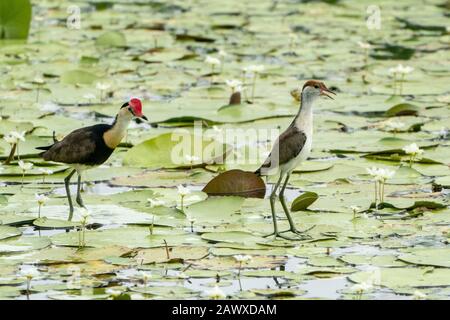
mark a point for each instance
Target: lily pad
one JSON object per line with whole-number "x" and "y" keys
{"x": 238, "y": 183}
{"x": 304, "y": 201}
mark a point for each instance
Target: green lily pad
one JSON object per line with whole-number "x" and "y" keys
{"x": 111, "y": 39}
{"x": 46, "y": 223}
{"x": 170, "y": 151}
{"x": 9, "y": 232}
{"x": 438, "y": 257}
{"x": 304, "y": 201}
{"x": 403, "y": 109}
{"x": 15, "y": 18}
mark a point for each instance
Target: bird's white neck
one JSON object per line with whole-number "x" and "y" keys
{"x": 304, "y": 118}
{"x": 114, "y": 136}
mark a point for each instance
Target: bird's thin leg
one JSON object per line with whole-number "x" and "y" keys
{"x": 79, "y": 200}
{"x": 272, "y": 207}
{"x": 286, "y": 209}
{"x": 67, "y": 184}
{"x": 273, "y": 197}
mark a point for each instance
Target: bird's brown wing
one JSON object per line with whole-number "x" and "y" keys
{"x": 288, "y": 146}
{"x": 76, "y": 147}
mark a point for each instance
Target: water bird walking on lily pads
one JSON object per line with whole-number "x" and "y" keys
{"x": 291, "y": 148}
{"x": 91, "y": 146}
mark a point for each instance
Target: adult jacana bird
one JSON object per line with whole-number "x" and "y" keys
{"x": 91, "y": 146}
{"x": 291, "y": 148}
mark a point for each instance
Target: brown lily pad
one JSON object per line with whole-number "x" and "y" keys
{"x": 236, "y": 183}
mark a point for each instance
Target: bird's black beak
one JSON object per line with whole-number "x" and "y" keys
{"x": 324, "y": 92}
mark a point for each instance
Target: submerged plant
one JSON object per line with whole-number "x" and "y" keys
{"x": 413, "y": 151}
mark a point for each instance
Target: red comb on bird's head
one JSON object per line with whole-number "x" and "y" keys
{"x": 136, "y": 105}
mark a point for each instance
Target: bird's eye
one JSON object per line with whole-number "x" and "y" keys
{"x": 316, "y": 86}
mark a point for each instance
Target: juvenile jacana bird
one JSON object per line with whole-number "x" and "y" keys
{"x": 91, "y": 146}
{"x": 291, "y": 148}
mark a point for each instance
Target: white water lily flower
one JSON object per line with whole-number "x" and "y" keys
{"x": 361, "y": 287}
{"x": 191, "y": 159}
{"x": 215, "y": 293}
{"x": 396, "y": 125}
{"x": 146, "y": 276}
{"x": 373, "y": 171}
{"x": 222, "y": 53}
{"x": 45, "y": 171}
{"x": 212, "y": 61}
{"x": 242, "y": 258}
{"x": 39, "y": 80}
{"x": 29, "y": 272}
{"x": 419, "y": 295}
{"x": 156, "y": 203}
{"x": 113, "y": 293}
{"x": 364, "y": 45}
{"x": 255, "y": 68}
{"x": 25, "y": 165}
{"x": 40, "y": 198}
{"x": 49, "y": 107}
{"x": 102, "y": 86}
{"x": 401, "y": 69}
{"x": 14, "y": 137}
{"x": 89, "y": 96}
{"x": 385, "y": 174}
{"x": 183, "y": 191}
{"x": 233, "y": 83}
{"x": 194, "y": 198}
{"x": 84, "y": 214}
{"x": 10, "y": 139}
{"x": 413, "y": 149}
{"x": 18, "y": 135}
{"x": 443, "y": 133}
{"x": 380, "y": 174}
{"x": 192, "y": 220}
{"x": 182, "y": 275}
